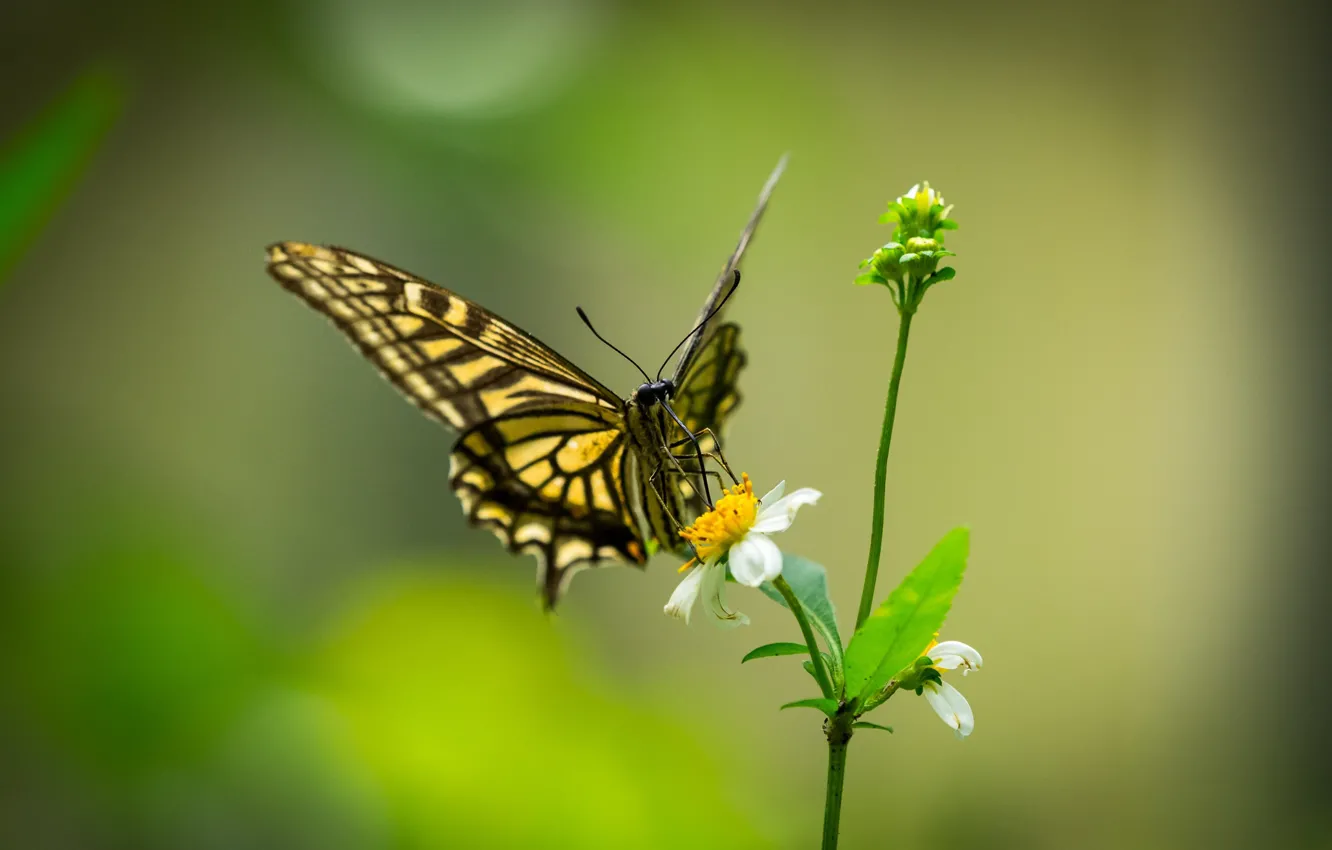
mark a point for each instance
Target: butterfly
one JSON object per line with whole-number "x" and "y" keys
{"x": 547, "y": 457}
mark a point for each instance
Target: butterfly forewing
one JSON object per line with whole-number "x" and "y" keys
{"x": 700, "y": 338}
{"x": 540, "y": 457}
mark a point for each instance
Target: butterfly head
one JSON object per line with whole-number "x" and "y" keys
{"x": 654, "y": 392}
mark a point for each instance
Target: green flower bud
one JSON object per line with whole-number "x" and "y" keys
{"x": 913, "y": 678}
{"x": 909, "y": 265}
{"x": 921, "y": 212}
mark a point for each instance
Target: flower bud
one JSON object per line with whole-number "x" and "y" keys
{"x": 913, "y": 678}
{"x": 909, "y": 265}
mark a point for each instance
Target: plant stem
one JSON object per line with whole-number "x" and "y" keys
{"x": 839, "y": 735}
{"x": 881, "y": 470}
{"x": 815, "y": 657}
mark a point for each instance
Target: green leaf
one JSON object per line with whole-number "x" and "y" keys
{"x": 827, "y": 706}
{"x": 41, "y": 164}
{"x": 768, "y": 650}
{"x": 899, "y": 630}
{"x": 865, "y": 724}
{"x": 946, "y": 224}
{"x": 809, "y": 665}
{"x": 810, "y": 583}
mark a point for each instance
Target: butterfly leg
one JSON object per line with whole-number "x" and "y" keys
{"x": 663, "y": 472}
{"x": 691, "y": 437}
{"x": 686, "y": 473}
{"x": 652, "y": 485}
{"x": 702, "y": 471}
{"x": 716, "y": 456}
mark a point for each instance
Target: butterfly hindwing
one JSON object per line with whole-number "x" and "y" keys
{"x": 540, "y": 458}
{"x": 550, "y": 484}
{"x": 708, "y": 394}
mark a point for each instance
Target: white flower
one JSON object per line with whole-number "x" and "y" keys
{"x": 946, "y": 700}
{"x": 735, "y": 531}
{"x": 952, "y": 654}
{"x": 952, "y": 708}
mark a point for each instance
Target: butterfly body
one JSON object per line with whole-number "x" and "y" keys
{"x": 547, "y": 457}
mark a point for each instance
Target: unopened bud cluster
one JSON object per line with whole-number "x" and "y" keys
{"x": 909, "y": 265}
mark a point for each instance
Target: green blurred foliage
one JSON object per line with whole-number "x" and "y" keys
{"x": 464, "y": 708}
{"x": 39, "y": 165}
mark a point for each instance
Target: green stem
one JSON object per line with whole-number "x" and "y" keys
{"x": 839, "y": 735}
{"x": 815, "y": 657}
{"x": 881, "y": 471}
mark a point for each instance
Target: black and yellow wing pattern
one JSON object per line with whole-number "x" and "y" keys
{"x": 544, "y": 457}
{"x": 542, "y": 449}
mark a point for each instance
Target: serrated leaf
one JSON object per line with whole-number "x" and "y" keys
{"x": 38, "y": 167}
{"x": 870, "y": 277}
{"x": 865, "y": 724}
{"x": 809, "y": 581}
{"x": 898, "y": 631}
{"x": 768, "y": 650}
{"x": 827, "y": 706}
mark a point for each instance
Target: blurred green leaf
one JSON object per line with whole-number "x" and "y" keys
{"x": 404, "y": 672}
{"x": 810, "y": 583}
{"x": 132, "y": 658}
{"x": 40, "y": 165}
{"x": 768, "y": 650}
{"x": 899, "y": 630}
{"x": 827, "y": 706}
{"x": 865, "y": 724}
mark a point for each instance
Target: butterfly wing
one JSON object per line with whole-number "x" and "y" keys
{"x": 699, "y": 339}
{"x": 705, "y": 400}
{"x": 708, "y": 394}
{"x": 540, "y": 459}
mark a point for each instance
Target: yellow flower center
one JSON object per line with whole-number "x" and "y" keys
{"x": 715, "y": 532}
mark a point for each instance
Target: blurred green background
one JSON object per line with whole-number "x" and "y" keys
{"x": 239, "y": 606}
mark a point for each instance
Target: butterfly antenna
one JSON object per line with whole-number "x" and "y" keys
{"x": 612, "y": 346}
{"x": 715, "y": 310}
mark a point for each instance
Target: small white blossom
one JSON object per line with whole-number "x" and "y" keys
{"x": 946, "y": 700}
{"x": 735, "y": 531}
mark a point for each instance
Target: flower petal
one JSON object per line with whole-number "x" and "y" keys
{"x": 779, "y": 515}
{"x": 686, "y": 593}
{"x": 952, "y": 708}
{"x": 952, "y": 654}
{"x": 775, "y": 493}
{"x": 714, "y": 582}
{"x": 755, "y": 559}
